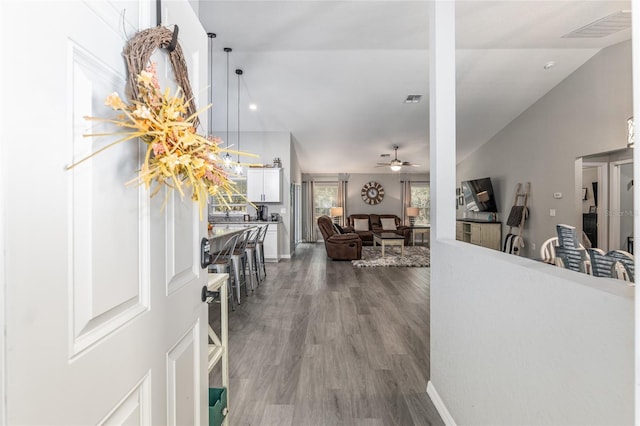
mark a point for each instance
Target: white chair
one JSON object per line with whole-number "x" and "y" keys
{"x": 625, "y": 268}
{"x": 548, "y": 250}
{"x": 548, "y": 253}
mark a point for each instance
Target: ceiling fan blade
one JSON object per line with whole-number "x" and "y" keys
{"x": 406, "y": 163}
{"x": 382, "y": 164}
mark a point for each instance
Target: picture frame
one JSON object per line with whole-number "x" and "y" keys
{"x": 593, "y": 209}
{"x": 584, "y": 194}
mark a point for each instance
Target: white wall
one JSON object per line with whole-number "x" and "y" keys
{"x": 585, "y": 114}
{"x": 519, "y": 342}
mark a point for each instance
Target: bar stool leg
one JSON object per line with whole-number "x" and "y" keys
{"x": 250, "y": 260}
{"x": 260, "y": 256}
{"x": 236, "y": 272}
{"x": 220, "y": 269}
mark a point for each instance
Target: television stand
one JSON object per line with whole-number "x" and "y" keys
{"x": 480, "y": 233}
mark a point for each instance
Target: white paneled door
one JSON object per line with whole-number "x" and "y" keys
{"x": 104, "y": 322}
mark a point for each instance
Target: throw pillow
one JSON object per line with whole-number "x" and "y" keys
{"x": 360, "y": 224}
{"x": 388, "y": 224}
{"x": 338, "y": 228}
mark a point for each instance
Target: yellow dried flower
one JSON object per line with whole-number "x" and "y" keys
{"x": 177, "y": 156}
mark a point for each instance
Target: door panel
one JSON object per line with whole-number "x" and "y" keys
{"x": 134, "y": 409}
{"x": 106, "y": 291}
{"x": 182, "y": 256}
{"x": 99, "y": 278}
{"x": 183, "y": 380}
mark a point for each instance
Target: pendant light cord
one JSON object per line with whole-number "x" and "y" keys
{"x": 227, "y": 49}
{"x": 239, "y": 73}
{"x": 210, "y": 111}
{"x": 238, "y": 166}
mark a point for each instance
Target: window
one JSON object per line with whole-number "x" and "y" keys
{"x": 237, "y": 205}
{"x": 325, "y": 196}
{"x": 421, "y": 198}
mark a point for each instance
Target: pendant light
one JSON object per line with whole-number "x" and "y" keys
{"x": 227, "y": 158}
{"x": 238, "y": 168}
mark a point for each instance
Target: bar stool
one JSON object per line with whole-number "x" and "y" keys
{"x": 252, "y": 259}
{"x": 260, "y": 250}
{"x": 221, "y": 263}
{"x": 239, "y": 260}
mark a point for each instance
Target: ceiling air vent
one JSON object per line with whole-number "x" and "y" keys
{"x": 603, "y": 27}
{"x": 413, "y": 99}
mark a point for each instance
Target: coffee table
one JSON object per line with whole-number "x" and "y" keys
{"x": 388, "y": 239}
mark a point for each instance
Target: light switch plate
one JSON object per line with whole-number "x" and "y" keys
{"x": 557, "y": 195}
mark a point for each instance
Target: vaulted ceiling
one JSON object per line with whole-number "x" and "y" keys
{"x": 336, "y": 73}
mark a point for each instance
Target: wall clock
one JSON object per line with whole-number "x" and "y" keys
{"x": 372, "y": 193}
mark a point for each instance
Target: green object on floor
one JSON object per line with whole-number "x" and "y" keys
{"x": 217, "y": 406}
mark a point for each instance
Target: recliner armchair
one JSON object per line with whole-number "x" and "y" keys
{"x": 339, "y": 246}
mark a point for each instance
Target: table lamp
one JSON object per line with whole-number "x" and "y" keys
{"x": 336, "y": 213}
{"x": 412, "y": 212}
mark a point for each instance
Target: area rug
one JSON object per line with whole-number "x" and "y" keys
{"x": 413, "y": 257}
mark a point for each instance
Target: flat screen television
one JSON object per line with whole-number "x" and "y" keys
{"x": 478, "y": 195}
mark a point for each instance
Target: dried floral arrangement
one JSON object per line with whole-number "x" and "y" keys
{"x": 177, "y": 157}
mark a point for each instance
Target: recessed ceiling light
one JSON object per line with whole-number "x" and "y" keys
{"x": 253, "y": 107}
{"x": 549, "y": 65}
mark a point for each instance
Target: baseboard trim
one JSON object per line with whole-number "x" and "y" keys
{"x": 439, "y": 404}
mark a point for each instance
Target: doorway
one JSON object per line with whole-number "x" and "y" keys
{"x": 595, "y": 203}
{"x": 621, "y": 208}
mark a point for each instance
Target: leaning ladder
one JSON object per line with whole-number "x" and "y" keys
{"x": 517, "y": 217}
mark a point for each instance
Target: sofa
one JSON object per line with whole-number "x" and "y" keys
{"x": 339, "y": 246}
{"x": 366, "y": 224}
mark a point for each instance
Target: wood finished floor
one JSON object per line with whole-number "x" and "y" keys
{"x": 321, "y": 342}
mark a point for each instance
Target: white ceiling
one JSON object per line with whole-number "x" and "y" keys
{"x": 335, "y": 73}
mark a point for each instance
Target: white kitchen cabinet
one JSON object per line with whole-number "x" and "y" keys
{"x": 271, "y": 252}
{"x": 264, "y": 185}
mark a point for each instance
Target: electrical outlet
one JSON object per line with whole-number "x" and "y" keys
{"x": 552, "y": 212}
{"x": 533, "y": 246}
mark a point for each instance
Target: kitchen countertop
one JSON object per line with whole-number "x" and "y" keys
{"x": 242, "y": 222}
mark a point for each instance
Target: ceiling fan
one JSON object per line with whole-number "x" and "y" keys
{"x": 395, "y": 164}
